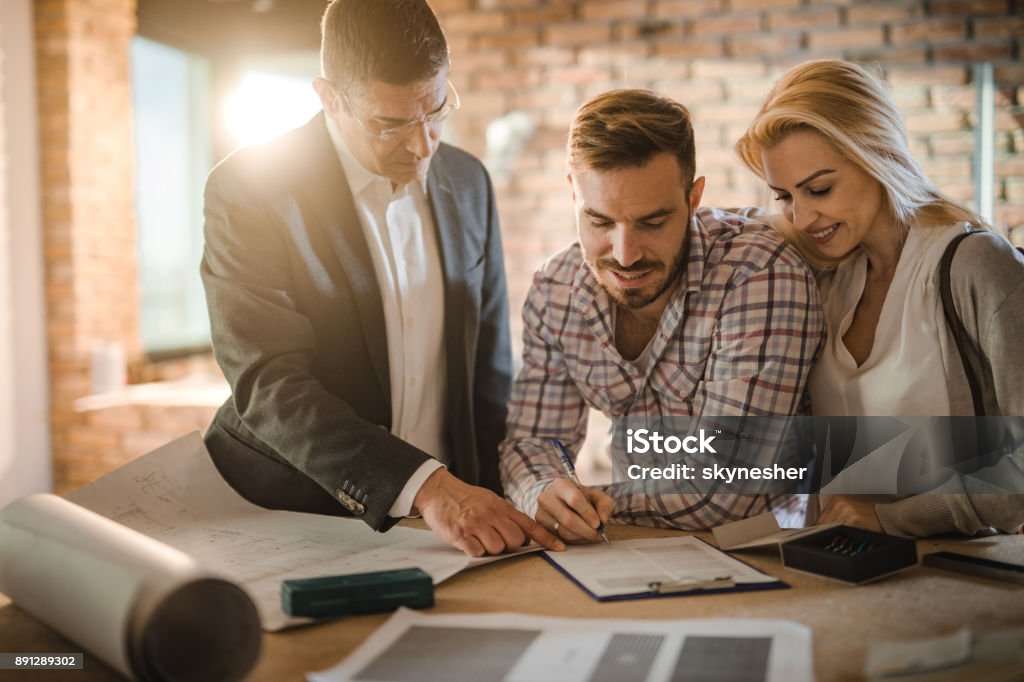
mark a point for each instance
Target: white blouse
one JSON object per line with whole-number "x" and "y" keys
{"x": 904, "y": 374}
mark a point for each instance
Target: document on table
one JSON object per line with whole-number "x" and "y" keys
{"x": 628, "y": 567}
{"x": 509, "y": 647}
{"x": 176, "y": 495}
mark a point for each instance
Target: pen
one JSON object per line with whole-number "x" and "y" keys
{"x": 570, "y": 471}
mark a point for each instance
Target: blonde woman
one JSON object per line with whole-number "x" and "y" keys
{"x": 832, "y": 146}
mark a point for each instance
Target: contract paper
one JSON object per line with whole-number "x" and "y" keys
{"x": 509, "y": 647}
{"x": 176, "y": 495}
{"x": 628, "y": 567}
{"x": 146, "y": 609}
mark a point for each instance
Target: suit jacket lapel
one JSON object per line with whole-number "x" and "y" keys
{"x": 330, "y": 198}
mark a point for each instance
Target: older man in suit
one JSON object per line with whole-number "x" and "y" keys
{"x": 354, "y": 276}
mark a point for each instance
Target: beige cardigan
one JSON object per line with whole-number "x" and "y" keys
{"x": 987, "y": 279}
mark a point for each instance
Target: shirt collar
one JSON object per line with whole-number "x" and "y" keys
{"x": 359, "y": 177}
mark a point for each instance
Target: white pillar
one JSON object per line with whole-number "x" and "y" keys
{"x": 25, "y": 461}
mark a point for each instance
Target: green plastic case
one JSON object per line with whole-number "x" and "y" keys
{"x": 344, "y": 595}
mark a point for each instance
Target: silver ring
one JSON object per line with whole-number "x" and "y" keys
{"x": 557, "y": 526}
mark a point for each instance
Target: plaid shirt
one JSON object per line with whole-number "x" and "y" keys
{"x": 737, "y": 338}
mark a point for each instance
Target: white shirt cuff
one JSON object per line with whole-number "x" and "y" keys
{"x": 403, "y": 503}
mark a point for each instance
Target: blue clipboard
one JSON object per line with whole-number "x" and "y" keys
{"x": 651, "y": 594}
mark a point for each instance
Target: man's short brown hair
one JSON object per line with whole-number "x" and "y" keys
{"x": 394, "y": 41}
{"x": 627, "y": 128}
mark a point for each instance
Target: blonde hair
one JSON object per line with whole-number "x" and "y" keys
{"x": 849, "y": 107}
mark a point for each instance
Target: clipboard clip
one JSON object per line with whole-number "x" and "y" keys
{"x": 690, "y": 584}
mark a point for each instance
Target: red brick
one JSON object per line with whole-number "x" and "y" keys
{"x": 475, "y": 22}
{"x": 998, "y": 27}
{"x": 968, "y": 7}
{"x": 881, "y": 12}
{"x": 723, "y": 113}
{"x": 929, "y": 30}
{"x": 502, "y": 4}
{"x": 690, "y": 92}
{"x": 907, "y": 54}
{"x": 477, "y": 60}
{"x": 960, "y": 191}
{"x": 542, "y": 15}
{"x": 772, "y": 45}
{"x": 118, "y": 419}
{"x": 804, "y": 19}
{"x": 927, "y": 75}
{"x": 947, "y": 167}
{"x": 974, "y": 52}
{"x": 614, "y": 9}
{"x": 576, "y": 34}
{"x": 831, "y": 2}
{"x": 1011, "y": 215}
{"x": 751, "y": 91}
{"x": 1008, "y": 142}
{"x": 620, "y": 55}
{"x": 577, "y": 75}
{"x": 443, "y": 7}
{"x": 955, "y": 96}
{"x": 1006, "y": 121}
{"x": 720, "y": 158}
{"x": 726, "y": 25}
{"x": 655, "y": 68}
{"x": 690, "y": 48}
{"x": 846, "y": 38}
{"x": 93, "y": 440}
{"x": 728, "y": 68}
{"x": 919, "y": 148}
{"x": 762, "y": 5}
{"x": 934, "y": 122}
{"x": 541, "y": 98}
{"x": 547, "y": 55}
{"x": 1009, "y": 74}
{"x": 646, "y": 30}
{"x": 478, "y": 102}
{"x": 951, "y": 144}
{"x": 1013, "y": 190}
{"x": 512, "y": 38}
{"x": 678, "y": 9}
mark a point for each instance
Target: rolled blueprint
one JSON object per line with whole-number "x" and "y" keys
{"x": 145, "y": 608}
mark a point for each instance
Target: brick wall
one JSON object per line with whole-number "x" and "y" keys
{"x": 87, "y": 167}
{"x": 719, "y": 58}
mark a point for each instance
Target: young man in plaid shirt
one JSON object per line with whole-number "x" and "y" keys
{"x": 662, "y": 309}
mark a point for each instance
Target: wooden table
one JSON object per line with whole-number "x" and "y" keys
{"x": 843, "y": 619}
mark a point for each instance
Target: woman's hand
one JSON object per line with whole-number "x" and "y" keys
{"x": 850, "y": 511}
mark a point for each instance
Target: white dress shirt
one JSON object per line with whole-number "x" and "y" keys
{"x": 903, "y": 374}
{"x": 399, "y": 230}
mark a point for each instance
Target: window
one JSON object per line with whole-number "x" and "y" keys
{"x": 171, "y": 93}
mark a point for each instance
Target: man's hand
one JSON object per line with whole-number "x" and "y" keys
{"x": 574, "y": 514}
{"x": 848, "y": 510}
{"x": 476, "y": 520}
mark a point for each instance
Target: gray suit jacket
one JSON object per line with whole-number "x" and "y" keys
{"x": 298, "y": 329}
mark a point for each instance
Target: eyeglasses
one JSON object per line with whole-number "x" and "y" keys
{"x": 385, "y": 133}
